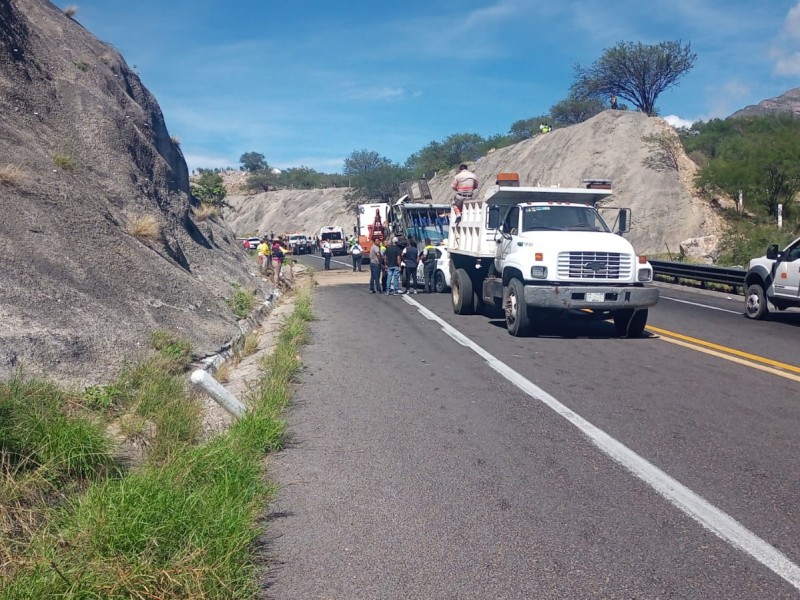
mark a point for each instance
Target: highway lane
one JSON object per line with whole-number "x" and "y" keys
{"x": 539, "y": 508}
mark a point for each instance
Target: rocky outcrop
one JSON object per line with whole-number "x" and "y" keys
{"x": 85, "y": 158}
{"x": 787, "y": 103}
{"x": 703, "y": 250}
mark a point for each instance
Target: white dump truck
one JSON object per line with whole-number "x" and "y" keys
{"x": 535, "y": 250}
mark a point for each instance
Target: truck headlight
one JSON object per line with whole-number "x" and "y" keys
{"x": 539, "y": 272}
{"x": 645, "y": 275}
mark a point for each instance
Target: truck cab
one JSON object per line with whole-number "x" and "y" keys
{"x": 774, "y": 277}
{"x": 534, "y": 250}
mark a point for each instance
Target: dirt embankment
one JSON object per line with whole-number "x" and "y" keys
{"x": 619, "y": 145}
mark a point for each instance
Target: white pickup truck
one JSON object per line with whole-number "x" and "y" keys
{"x": 774, "y": 277}
{"x": 531, "y": 250}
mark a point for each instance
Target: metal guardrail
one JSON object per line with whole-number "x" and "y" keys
{"x": 702, "y": 273}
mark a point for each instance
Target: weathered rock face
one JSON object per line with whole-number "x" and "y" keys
{"x": 703, "y": 249}
{"x": 86, "y": 154}
{"x": 788, "y": 102}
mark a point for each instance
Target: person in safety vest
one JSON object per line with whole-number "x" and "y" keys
{"x": 428, "y": 258}
{"x": 464, "y": 183}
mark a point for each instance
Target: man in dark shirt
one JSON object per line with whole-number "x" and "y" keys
{"x": 410, "y": 256}
{"x": 393, "y": 254}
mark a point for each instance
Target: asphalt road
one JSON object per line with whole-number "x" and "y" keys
{"x": 432, "y": 455}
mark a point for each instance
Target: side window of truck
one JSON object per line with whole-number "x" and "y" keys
{"x": 511, "y": 223}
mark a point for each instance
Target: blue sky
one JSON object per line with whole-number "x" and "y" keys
{"x": 307, "y": 82}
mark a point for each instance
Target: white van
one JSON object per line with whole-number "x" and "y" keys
{"x": 335, "y": 236}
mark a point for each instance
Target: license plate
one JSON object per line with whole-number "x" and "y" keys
{"x": 595, "y": 296}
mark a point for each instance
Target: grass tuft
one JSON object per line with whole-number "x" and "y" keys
{"x": 70, "y": 11}
{"x": 242, "y": 301}
{"x": 11, "y": 175}
{"x": 250, "y": 345}
{"x": 206, "y": 211}
{"x": 145, "y": 227}
{"x": 65, "y": 161}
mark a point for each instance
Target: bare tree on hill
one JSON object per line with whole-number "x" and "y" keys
{"x": 636, "y": 72}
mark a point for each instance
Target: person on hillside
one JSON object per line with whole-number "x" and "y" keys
{"x": 375, "y": 268}
{"x": 410, "y": 260}
{"x": 326, "y": 254}
{"x": 393, "y": 262}
{"x": 278, "y": 254}
{"x": 428, "y": 258}
{"x": 614, "y": 105}
{"x": 356, "y": 251}
{"x": 464, "y": 183}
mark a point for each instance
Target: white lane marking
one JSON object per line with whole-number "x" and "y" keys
{"x": 727, "y": 310}
{"x": 338, "y": 262}
{"x": 692, "y": 504}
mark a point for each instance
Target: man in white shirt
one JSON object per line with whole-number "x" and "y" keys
{"x": 356, "y": 251}
{"x": 464, "y": 183}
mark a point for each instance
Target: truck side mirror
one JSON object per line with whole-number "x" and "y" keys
{"x": 494, "y": 217}
{"x": 772, "y": 252}
{"x": 624, "y": 220}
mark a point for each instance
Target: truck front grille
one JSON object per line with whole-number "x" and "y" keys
{"x": 594, "y": 265}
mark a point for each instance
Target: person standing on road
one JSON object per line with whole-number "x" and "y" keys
{"x": 264, "y": 255}
{"x": 375, "y": 268}
{"x": 356, "y": 251}
{"x": 410, "y": 260}
{"x": 384, "y": 269}
{"x": 326, "y": 254}
{"x": 428, "y": 259}
{"x": 464, "y": 183}
{"x": 393, "y": 261}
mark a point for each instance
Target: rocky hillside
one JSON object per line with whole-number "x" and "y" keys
{"x": 788, "y": 102}
{"x": 100, "y": 246}
{"x": 614, "y": 145}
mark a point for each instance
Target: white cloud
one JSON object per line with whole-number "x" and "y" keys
{"x": 678, "y": 122}
{"x": 786, "y": 49}
{"x": 379, "y": 93}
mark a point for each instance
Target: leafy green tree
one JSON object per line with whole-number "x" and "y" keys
{"x": 372, "y": 176}
{"x": 261, "y": 180}
{"x": 527, "y": 128}
{"x": 634, "y": 71}
{"x": 757, "y": 155}
{"x": 573, "y": 110}
{"x": 253, "y": 161}
{"x": 208, "y": 188}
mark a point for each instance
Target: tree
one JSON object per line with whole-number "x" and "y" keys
{"x": 527, "y": 128}
{"x": 573, "y": 110}
{"x": 634, "y": 71}
{"x": 253, "y": 161}
{"x": 208, "y": 188}
{"x": 372, "y": 176}
{"x": 261, "y": 180}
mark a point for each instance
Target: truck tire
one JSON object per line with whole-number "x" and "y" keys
{"x": 755, "y": 302}
{"x": 461, "y": 293}
{"x": 630, "y": 323}
{"x": 518, "y": 322}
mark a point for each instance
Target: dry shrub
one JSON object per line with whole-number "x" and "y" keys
{"x": 205, "y": 211}
{"x": 144, "y": 226}
{"x": 175, "y": 139}
{"x": 250, "y": 345}
{"x": 71, "y": 10}
{"x": 10, "y": 175}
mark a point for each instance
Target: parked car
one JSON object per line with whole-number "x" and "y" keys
{"x": 774, "y": 277}
{"x": 441, "y": 276}
{"x": 251, "y": 243}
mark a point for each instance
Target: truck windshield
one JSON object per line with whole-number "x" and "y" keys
{"x": 562, "y": 218}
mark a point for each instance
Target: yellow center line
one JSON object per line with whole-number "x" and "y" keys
{"x": 725, "y": 352}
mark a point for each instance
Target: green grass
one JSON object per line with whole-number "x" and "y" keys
{"x": 65, "y": 161}
{"x": 180, "y": 525}
{"x": 242, "y": 301}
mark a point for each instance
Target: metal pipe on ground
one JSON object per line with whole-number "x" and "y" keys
{"x": 206, "y": 382}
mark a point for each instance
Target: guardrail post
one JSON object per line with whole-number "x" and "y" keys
{"x": 206, "y": 382}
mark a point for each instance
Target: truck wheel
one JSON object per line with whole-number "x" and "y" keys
{"x": 755, "y": 302}
{"x": 438, "y": 282}
{"x": 517, "y": 320}
{"x": 461, "y": 293}
{"x": 630, "y": 323}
